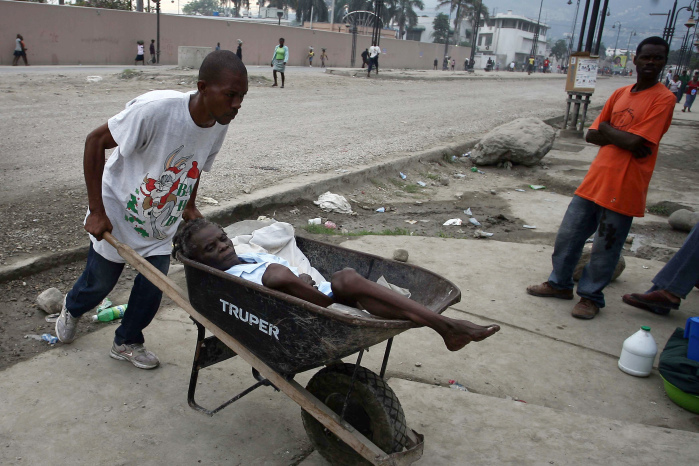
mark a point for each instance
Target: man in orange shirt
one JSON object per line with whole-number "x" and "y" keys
{"x": 628, "y": 131}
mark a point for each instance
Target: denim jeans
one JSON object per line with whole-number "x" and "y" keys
{"x": 97, "y": 281}
{"x": 681, "y": 273}
{"x": 374, "y": 63}
{"x": 582, "y": 219}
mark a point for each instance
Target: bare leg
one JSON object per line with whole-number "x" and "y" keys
{"x": 274, "y": 73}
{"x": 282, "y": 78}
{"x": 349, "y": 287}
{"x": 24, "y": 57}
{"x": 15, "y": 60}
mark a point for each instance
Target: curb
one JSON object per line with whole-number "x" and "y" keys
{"x": 235, "y": 212}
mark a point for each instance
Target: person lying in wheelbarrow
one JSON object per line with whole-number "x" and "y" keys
{"x": 207, "y": 243}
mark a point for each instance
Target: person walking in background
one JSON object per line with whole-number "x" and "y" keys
{"x": 445, "y": 63}
{"x": 691, "y": 92}
{"x": 153, "y": 60}
{"x": 684, "y": 80}
{"x": 435, "y": 64}
{"x": 668, "y": 78}
{"x": 365, "y": 57}
{"x": 239, "y": 50}
{"x": 218, "y": 46}
{"x": 311, "y": 54}
{"x": 628, "y": 131}
{"x": 374, "y": 52}
{"x": 530, "y": 67}
{"x": 674, "y": 281}
{"x": 279, "y": 60}
{"x": 674, "y": 86}
{"x": 323, "y": 57}
{"x": 139, "y": 53}
{"x": 20, "y": 51}
{"x": 453, "y": 64}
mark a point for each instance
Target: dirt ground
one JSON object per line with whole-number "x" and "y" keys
{"x": 48, "y": 217}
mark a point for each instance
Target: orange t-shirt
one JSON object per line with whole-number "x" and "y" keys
{"x": 617, "y": 180}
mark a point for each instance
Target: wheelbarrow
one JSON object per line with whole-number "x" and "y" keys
{"x": 350, "y": 413}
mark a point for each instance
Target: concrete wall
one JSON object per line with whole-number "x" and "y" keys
{"x": 67, "y": 35}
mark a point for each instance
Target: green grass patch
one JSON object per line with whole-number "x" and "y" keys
{"x": 659, "y": 210}
{"x": 432, "y": 176}
{"x": 128, "y": 73}
{"x": 411, "y": 188}
{"x": 448, "y": 158}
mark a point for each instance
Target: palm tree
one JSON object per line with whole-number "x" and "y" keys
{"x": 464, "y": 9}
{"x": 403, "y": 14}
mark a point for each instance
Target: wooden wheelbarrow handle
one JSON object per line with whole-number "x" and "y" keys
{"x": 291, "y": 388}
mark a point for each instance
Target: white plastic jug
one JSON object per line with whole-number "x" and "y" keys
{"x": 638, "y": 353}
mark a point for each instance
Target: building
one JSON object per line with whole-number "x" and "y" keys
{"x": 506, "y": 37}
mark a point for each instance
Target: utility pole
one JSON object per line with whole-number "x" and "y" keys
{"x": 475, "y": 34}
{"x": 536, "y": 33}
{"x": 157, "y": 37}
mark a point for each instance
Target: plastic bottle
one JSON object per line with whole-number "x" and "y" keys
{"x": 638, "y": 353}
{"x": 109, "y": 314}
{"x": 49, "y": 338}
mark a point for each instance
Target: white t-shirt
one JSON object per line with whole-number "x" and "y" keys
{"x": 140, "y": 49}
{"x": 374, "y": 50}
{"x": 150, "y": 176}
{"x": 18, "y": 45}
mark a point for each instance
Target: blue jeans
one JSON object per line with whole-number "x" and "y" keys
{"x": 681, "y": 273}
{"x": 97, "y": 281}
{"x": 582, "y": 219}
{"x": 374, "y": 62}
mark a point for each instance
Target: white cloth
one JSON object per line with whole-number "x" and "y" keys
{"x": 140, "y": 49}
{"x": 255, "y": 265}
{"x": 18, "y": 45}
{"x": 374, "y": 50}
{"x": 150, "y": 176}
{"x": 675, "y": 86}
{"x": 277, "y": 239}
{"x": 330, "y": 202}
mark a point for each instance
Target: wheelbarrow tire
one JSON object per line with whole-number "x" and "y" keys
{"x": 374, "y": 410}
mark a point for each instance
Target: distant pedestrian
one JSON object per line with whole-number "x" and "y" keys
{"x": 674, "y": 86}
{"x": 453, "y": 64}
{"x": 218, "y": 46}
{"x": 239, "y": 50}
{"x": 546, "y": 65}
{"x": 684, "y": 79}
{"x": 531, "y": 65}
{"x": 153, "y": 60}
{"x": 445, "y": 63}
{"x": 374, "y": 52}
{"x": 512, "y": 66}
{"x": 365, "y": 57}
{"x": 691, "y": 92}
{"x": 20, "y": 51}
{"x": 436, "y": 62}
{"x": 465, "y": 64}
{"x": 311, "y": 54}
{"x": 279, "y": 60}
{"x": 323, "y": 57}
{"x": 668, "y": 78}
{"x": 139, "y": 53}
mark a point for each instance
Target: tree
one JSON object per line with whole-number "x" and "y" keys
{"x": 201, "y": 7}
{"x": 462, "y": 9}
{"x": 107, "y": 4}
{"x": 404, "y": 14}
{"x": 560, "y": 49}
{"x": 440, "y": 27}
{"x": 303, "y": 10}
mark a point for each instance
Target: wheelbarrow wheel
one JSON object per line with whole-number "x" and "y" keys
{"x": 373, "y": 409}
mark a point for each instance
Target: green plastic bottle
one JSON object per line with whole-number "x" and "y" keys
{"x": 109, "y": 314}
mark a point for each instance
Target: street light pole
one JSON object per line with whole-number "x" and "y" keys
{"x": 617, "y": 37}
{"x": 628, "y": 44}
{"x": 536, "y": 34}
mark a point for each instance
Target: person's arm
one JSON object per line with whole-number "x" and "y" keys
{"x": 190, "y": 211}
{"x": 606, "y": 134}
{"x": 280, "y": 278}
{"x": 96, "y": 144}
{"x": 286, "y": 54}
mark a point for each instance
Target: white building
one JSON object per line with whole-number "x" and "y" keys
{"x": 506, "y": 37}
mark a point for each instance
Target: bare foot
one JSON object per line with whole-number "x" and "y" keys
{"x": 465, "y": 332}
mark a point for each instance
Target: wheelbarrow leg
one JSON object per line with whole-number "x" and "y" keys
{"x": 349, "y": 392}
{"x": 385, "y": 357}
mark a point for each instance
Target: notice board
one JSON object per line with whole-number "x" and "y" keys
{"x": 582, "y": 72}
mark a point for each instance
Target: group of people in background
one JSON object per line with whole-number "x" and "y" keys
{"x": 683, "y": 85}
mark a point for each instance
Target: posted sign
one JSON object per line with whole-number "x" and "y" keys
{"x": 582, "y": 73}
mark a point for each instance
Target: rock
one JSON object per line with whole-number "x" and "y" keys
{"x": 585, "y": 258}
{"x": 683, "y": 220}
{"x": 50, "y": 301}
{"x": 524, "y": 141}
{"x": 400, "y": 255}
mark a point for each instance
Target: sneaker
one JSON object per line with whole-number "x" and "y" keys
{"x": 136, "y": 354}
{"x": 585, "y": 309}
{"x": 66, "y": 325}
{"x": 545, "y": 290}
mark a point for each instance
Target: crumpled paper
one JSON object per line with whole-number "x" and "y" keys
{"x": 330, "y": 202}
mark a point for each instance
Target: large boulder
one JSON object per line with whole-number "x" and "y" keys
{"x": 524, "y": 141}
{"x": 683, "y": 220}
{"x": 585, "y": 258}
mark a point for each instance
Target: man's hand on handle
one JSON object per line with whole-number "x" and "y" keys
{"x": 97, "y": 223}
